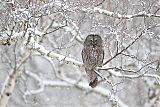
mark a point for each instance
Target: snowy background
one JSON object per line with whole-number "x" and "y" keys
{"x": 40, "y": 53}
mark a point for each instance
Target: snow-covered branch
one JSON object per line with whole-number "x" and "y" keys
{"x": 117, "y": 15}
{"x": 67, "y": 82}
{"x": 119, "y": 74}
{"x": 40, "y": 48}
{"x": 60, "y": 57}
{"x": 10, "y": 82}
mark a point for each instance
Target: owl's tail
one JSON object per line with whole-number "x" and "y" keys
{"x": 94, "y": 83}
{"x": 93, "y": 80}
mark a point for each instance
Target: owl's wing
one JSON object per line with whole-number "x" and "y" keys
{"x": 86, "y": 57}
{"x": 101, "y": 57}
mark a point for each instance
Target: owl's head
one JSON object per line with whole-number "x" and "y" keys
{"x": 93, "y": 40}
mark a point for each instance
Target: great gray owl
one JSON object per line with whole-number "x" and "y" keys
{"x": 92, "y": 55}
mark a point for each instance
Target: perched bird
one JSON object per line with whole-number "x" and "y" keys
{"x": 92, "y": 56}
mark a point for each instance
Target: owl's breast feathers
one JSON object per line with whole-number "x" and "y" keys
{"x": 96, "y": 56}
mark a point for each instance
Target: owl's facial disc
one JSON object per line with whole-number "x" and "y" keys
{"x": 93, "y": 40}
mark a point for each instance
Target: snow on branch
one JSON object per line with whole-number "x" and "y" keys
{"x": 7, "y": 38}
{"x": 29, "y": 39}
{"x": 41, "y": 49}
{"x": 131, "y": 44}
{"x": 117, "y": 15}
{"x": 67, "y": 82}
{"x": 119, "y": 74}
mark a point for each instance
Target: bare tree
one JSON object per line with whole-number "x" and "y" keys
{"x": 41, "y": 43}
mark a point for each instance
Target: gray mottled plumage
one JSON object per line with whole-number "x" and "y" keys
{"x": 92, "y": 55}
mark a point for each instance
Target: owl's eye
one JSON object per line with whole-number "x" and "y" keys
{"x": 91, "y": 40}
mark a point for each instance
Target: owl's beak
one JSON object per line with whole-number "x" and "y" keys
{"x": 94, "y": 43}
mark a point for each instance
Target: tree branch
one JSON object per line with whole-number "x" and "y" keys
{"x": 143, "y": 31}
{"x": 69, "y": 83}
{"x": 117, "y": 15}
{"x": 10, "y": 82}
